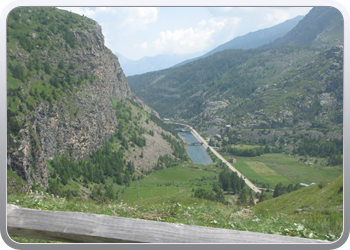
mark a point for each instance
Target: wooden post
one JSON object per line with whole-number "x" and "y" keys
{"x": 137, "y": 185}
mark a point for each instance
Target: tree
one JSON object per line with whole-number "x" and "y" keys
{"x": 61, "y": 64}
{"x": 224, "y": 180}
{"x": 243, "y": 196}
{"x": 18, "y": 72}
{"x": 127, "y": 178}
{"x": 219, "y": 194}
{"x": 251, "y": 200}
{"x": 47, "y": 68}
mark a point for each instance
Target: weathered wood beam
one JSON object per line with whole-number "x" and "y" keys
{"x": 89, "y": 228}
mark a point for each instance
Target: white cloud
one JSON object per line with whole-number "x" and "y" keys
{"x": 144, "y": 45}
{"x": 145, "y": 31}
{"x": 188, "y": 40}
{"x": 277, "y": 16}
{"x": 138, "y": 17}
{"x": 119, "y": 17}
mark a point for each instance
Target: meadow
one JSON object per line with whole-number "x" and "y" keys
{"x": 167, "y": 195}
{"x": 175, "y": 181}
{"x": 318, "y": 218}
{"x": 278, "y": 167}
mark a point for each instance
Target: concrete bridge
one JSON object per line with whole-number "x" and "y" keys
{"x": 194, "y": 143}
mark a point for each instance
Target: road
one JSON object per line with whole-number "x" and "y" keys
{"x": 194, "y": 132}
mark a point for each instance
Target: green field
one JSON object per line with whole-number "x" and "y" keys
{"x": 264, "y": 171}
{"x": 274, "y": 168}
{"x": 249, "y": 173}
{"x": 296, "y": 171}
{"x": 175, "y": 181}
{"x": 166, "y": 196}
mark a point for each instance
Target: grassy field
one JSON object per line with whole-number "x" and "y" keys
{"x": 275, "y": 168}
{"x": 166, "y": 195}
{"x": 296, "y": 171}
{"x": 264, "y": 171}
{"x": 175, "y": 181}
{"x": 249, "y": 173}
{"x": 320, "y": 214}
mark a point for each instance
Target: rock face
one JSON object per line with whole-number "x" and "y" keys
{"x": 78, "y": 124}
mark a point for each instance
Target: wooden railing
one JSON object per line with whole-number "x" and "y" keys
{"x": 93, "y": 228}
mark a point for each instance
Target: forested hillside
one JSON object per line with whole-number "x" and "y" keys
{"x": 307, "y": 77}
{"x": 71, "y": 116}
{"x": 288, "y": 95}
{"x": 288, "y": 85}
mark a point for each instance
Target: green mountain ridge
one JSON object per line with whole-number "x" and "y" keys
{"x": 292, "y": 84}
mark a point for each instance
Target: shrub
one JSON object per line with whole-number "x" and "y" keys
{"x": 322, "y": 184}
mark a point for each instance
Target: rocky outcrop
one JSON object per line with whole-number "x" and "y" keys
{"x": 79, "y": 123}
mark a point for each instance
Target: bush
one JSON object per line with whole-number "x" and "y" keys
{"x": 322, "y": 184}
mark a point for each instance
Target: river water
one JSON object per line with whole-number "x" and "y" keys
{"x": 197, "y": 153}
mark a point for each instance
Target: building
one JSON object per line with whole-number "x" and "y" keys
{"x": 232, "y": 159}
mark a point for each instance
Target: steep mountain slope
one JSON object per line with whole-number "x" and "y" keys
{"x": 321, "y": 28}
{"x": 281, "y": 86}
{"x": 61, "y": 81}
{"x": 233, "y": 85}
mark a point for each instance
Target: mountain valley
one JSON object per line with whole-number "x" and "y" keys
{"x": 92, "y": 140}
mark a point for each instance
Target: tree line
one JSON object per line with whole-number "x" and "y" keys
{"x": 281, "y": 189}
{"x": 331, "y": 149}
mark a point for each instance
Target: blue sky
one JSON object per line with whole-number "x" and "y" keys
{"x": 136, "y": 32}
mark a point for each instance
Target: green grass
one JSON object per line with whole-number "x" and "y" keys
{"x": 319, "y": 220}
{"x": 278, "y": 167}
{"x": 320, "y": 205}
{"x": 296, "y": 171}
{"x": 269, "y": 174}
{"x": 166, "y": 197}
{"x": 181, "y": 180}
{"x": 249, "y": 173}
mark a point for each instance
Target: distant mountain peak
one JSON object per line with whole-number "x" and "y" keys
{"x": 322, "y": 27}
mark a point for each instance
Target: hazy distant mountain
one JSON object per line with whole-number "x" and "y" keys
{"x": 258, "y": 38}
{"x": 255, "y": 39}
{"x": 154, "y": 63}
{"x": 122, "y": 59}
{"x": 248, "y": 41}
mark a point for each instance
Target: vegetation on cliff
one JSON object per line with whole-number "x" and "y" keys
{"x": 71, "y": 114}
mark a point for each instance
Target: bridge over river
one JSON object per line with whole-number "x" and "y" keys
{"x": 194, "y": 143}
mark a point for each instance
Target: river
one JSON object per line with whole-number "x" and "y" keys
{"x": 197, "y": 153}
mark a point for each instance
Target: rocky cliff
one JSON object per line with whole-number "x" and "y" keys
{"x": 82, "y": 118}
